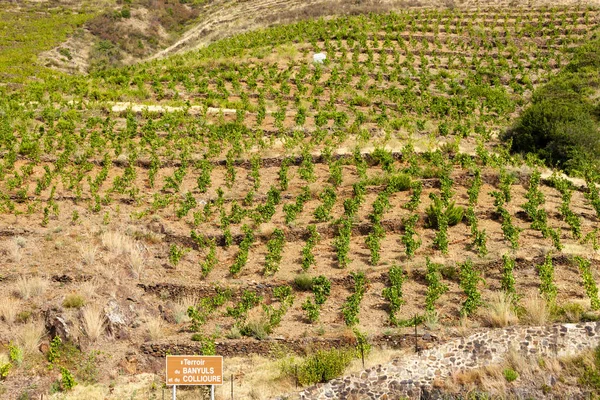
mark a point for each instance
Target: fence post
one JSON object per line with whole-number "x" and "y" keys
{"x": 416, "y": 339}
{"x": 231, "y": 386}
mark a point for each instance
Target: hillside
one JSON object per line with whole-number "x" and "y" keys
{"x": 241, "y": 199}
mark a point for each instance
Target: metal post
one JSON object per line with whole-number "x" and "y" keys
{"x": 231, "y": 386}
{"x": 416, "y": 340}
{"x": 212, "y": 392}
{"x": 174, "y": 392}
{"x": 362, "y": 354}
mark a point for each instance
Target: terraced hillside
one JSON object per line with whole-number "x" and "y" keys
{"x": 242, "y": 198}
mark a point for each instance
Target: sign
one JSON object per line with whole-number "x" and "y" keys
{"x": 194, "y": 370}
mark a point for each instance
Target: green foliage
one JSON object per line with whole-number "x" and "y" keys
{"x": 453, "y": 214}
{"x": 508, "y": 278}
{"x": 351, "y": 307}
{"x": 342, "y": 241}
{"x": 53, "y": 354}
{"x": 211, "y": 259}
{"x": 435, "y": 287}
{"x": 303, "y": 282}
{"x": 475, "y": 187}
{"x": 242, "y": 257}
{"x": 292, "y": 210}
{"x": 67, "y": 381}
{"x": 591, "y": 289}
{"x": 321, "y": 287}
{"x": 200, "y": 313}
{"x": 207, "y": 344}
{"x": 321, "y": 366}
{"x": 323, "y": 211}
{"x": 363, "y": 347}
{"x": 511, "y": 232}
{"x": 313, "y": 311}
{"x": 274, "y": 249}
{"x": 591, "y": 373}
{"x": 415, "y": 198}
{"x": 469, "y": 279}
{"x": 510, "y": 374}
{"x": 408, "y": 238}
{"x": 560, "y": 125}
{"x": 247, "y": 301}
{"x": 73, "y": 301}
{"x": 373, "y": 242}
{"x": 308, "y": 257}
{"x": 5, "y": 370}
{"x": 176, "y": 253}
{"x": 546, "y": 273}
{"x": 440, "y": 241}
{"x": 15, "y": 353}
{"x": 393, "y": 293}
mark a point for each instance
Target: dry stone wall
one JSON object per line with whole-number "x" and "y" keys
{"x": 413, "y": 375}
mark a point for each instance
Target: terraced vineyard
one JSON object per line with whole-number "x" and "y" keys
{"x": 243, "y": 190}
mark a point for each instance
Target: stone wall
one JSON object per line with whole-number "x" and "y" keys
{"x": 411, "y": 376}
{"x": 246, "y": 346}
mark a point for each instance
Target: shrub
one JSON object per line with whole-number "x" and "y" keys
{"x": 510, "y": 374}
{"x": 73, "y": 301}
{"x": 67, "y": 381}
{"x": 453, "y": 213}
{"x": 303, "y": 282}
{"x": 560, "y": 126}
{"x": 321, "y": 366}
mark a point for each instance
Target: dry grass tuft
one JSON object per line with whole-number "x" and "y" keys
{"x": 181, "y": 306}
{"x": 517, "y": 362}
{"x": 30, "y": 336}
{"x": 26, "y": 288}
{"x": 536, "y": 310}
{"x": 88, "y": 253}
{"x": 9, "y": 308}
{"x": 88, "y": 288}
{"x": 137, "y": 261}
{"x": 93, "y": 320}
{"x": 15, "y": 249}
{"x": 117, "y": 243}
{"x": 155, "y": 328}
{"x": 500, "y": 311}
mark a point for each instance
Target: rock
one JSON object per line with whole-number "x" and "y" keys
{"x": 114, "y": 314}
{"x": 129, "y": 365}
{"x": 57, "y": 325}
{"x": 44, "y": 347}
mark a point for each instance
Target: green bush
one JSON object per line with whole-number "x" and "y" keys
{"x": 561, "y": 124}
{"x": 321, "y": 366}
{"x": 453, "y": 213}
{"x": 303, "y": 282}
{"x": 73, "y": 301}
{"x": 510, "y": 374}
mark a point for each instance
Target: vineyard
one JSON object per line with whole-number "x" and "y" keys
{"x": 242, "y": 192}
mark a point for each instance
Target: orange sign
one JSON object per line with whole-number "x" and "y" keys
{"x": 194, "y": 370}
